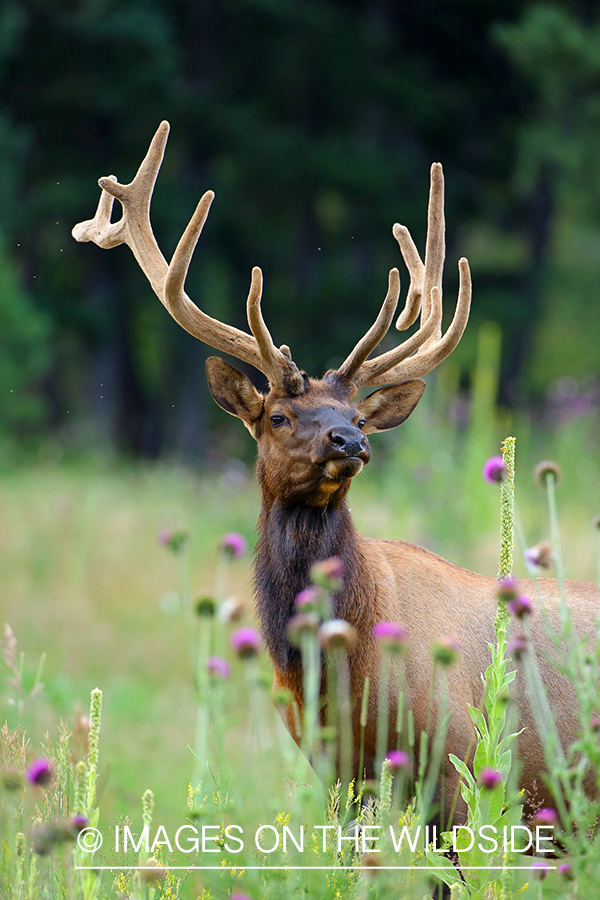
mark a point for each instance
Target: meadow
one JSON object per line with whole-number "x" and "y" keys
{"x": 87, "y": 580}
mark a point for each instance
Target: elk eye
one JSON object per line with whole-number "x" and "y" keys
{"x": 276, "y": 421}
{"x": 361, "y": 423}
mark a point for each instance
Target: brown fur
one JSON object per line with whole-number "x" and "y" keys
{"x": 304, "y": 478}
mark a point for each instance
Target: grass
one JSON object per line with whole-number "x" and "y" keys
{"x": 83, "y": 578}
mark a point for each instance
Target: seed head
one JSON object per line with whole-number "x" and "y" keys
{"x": 39, "y": 772}
{"x": 399, "y": 761}
{"x": 391, "y": 636}
{"x": 246, "y": 642}
{"x": 218, "y": 668}
{"x": 152, "y": 872}
{"x": 547, "y": 469}
{"x": 490, "y": 778}
{"x": 302, "y": 624}
{"x": 233, "y": 544}
{"x": 231, "y": 610}
{"x": 205, "y": 607}
{"x": 445, "y": 650}
{"x": 520, "y": 606}
{"x": 494, "y": 470}
{"x": 541, "y": 556}
{"x": 545, "y": 816}
{"x": 517, "y": 648}
{"x": 175, "y": 541}
{"x": 11, "y": 781}
{"x": 328, "y": 574}
{"x": 336, "y": 635}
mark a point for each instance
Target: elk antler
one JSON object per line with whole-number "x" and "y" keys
{"x": 167, "y": 281}
{"x": 427, "y": 347}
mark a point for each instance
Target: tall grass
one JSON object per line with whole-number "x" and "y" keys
{"x": 84, "y": 579}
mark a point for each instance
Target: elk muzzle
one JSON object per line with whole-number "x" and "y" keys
{"x": 342, "y": 451}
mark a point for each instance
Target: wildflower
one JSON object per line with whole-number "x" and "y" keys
{"x": 218, "y": 667}
{"x": 246, "y": 642}
{"x": 78, "y": 823}
{"x": 545, "y": 470}
{"x": 43, "y": 839}
{"x": 539, "y": 869}
{"x": 307, "y": 599}
{"x": 205, "y": 606}
{"x": 234, "y": 544}
{"x": 391, "y": 636}
{"x": 231, "y": 610}
{"x": 302, "y": 624}
{"x": 399, "y": 761}
{"x": 337, "y": 634}
{"x": 328, "y": 574}
{"x": 566, "y": 871}
{"x": 507, "y": 589}
{"x": 595, "y": 723}
{"x": 490, "y": 778}
{"x": 152, "y": 872}
{"x": 520, "y": 606}
{"x": 545, "y": 816}
{"x": 11, "y": 780}
{"x": 445, "y": 650}
{"x": 237, "y": 896}
{"x": 494, "y": 470}
{"x": 175, "y": 541}
{"x": 39, "y": 772}
{"x": 541, "y": 556}
{"x": 517, "y": 647}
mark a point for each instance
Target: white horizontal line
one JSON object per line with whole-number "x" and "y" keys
{"x": 301, "y": 868}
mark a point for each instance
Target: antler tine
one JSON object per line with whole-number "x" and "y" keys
{"x": 376, "y": 332}
{"x": 424, "y": 295}
{"x": 428, "y": 356}
{"x": 167, "y": 281}
{"x": 279, "y": 367}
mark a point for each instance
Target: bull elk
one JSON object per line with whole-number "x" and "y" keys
{"x": 312, "y": 441}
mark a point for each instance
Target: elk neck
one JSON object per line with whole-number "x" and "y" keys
{"x": 291, "y": 540}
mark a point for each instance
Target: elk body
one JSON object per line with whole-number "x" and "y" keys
{"x": 312, "y": 441}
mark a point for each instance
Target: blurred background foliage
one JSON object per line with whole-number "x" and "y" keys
{"x": 316, "y": 124}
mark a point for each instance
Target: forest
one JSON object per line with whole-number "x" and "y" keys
{"x": 315, "y": 124}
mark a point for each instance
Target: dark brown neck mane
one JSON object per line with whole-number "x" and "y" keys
{"x": 291, "y": 540}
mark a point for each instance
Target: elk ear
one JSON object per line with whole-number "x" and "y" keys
{"x": 390, "y": 406}
{"x": 234, "y": 392}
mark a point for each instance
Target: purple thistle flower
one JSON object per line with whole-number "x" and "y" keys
{"x": 539, "y": 869}
{"x": 175, "y": 541}
{"x": 234, "y": 544}
{"x": 39, "y": 772}
{"x": 218, "y": 667}
{"x": 246, "y": 642}
{"x": 566, "y": 871}
{"x": 445, "y": 650}
{"x": 240, "y": 897}
{"x": 518, "y": 647}
{"x": 399, "y": 761}
{"x": 494, "y": 470}
{"x": 391, "y": 636}
{"x": 541, "y": 556}
{"x": 307, "y": 598}
{"x": 328, "y": 574}
{"x": 507, "y": 589}
{"x": 545, "y": 816}
{"x": 78, "y": 823}
{"x": 490, "y": 778}
{"x": 520, "y": 606}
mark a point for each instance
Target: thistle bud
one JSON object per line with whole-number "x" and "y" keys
{"x": 541, "y": 556}
{"x": 494, "y": 470}
{"x": 490, "y": 778}
{"x": 391, "y": 636}
{"x": 300, "y": 625}
{"x": 337, "y": 634}
{"x": 518, "y": 647}
{"x": 246, "y": 642}
{"x": 445, "y": 650}
{"x": 233, "y": 545}
{"x": 520, "y": 606}
{"x": 328, "y": 574}
{"x": 545, "y": 470}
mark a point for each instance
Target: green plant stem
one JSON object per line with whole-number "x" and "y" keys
{"x": 364, "y": 708}
{"x": 383, "y": 711}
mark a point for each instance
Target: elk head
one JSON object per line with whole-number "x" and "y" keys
{"x": 311, "y": 436}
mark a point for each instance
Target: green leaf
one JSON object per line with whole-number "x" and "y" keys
{"x": 460, "y": 766}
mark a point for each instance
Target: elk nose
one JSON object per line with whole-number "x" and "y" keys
{"x": 348, "y": 441}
